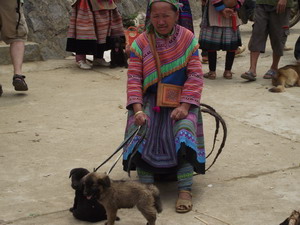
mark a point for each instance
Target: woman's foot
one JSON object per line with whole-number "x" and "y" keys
{"x": 184, "y": 202}
{"x": 82, "y": 64}
{"x": 227, "y": 74}
{"x": 210, "y": 75}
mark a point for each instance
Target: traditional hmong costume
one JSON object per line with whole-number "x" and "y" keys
{"x": 168, "y": 143}
{"x": 218, "y": 32}
{"x": 92, "y": 25}
{"x": 185, "y": 15}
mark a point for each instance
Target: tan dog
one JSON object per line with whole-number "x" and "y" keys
{"x": 114, "y": 195}
{"x": 287, "y": 76}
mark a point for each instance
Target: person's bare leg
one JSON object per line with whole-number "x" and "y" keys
{"x": 17, "y": 49}
{"x": 253, "y": 61}
{"x": 275, "y": 63}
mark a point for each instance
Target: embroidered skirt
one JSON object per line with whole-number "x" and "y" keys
{"x": 218, "y": 38}
{"x": 90, "y": 31}
{"x": 167, "y": 143}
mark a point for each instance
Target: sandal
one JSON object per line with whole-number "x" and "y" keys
{"x": 270, "y": 74}
{"x": 227, "y": 74}
{"x": 1, "y": 91}
{"x": 19, "y": 83}
{"x": 184, "y": 205}
{"x": 249, "y": 76}
{"x": 210, "y": 75}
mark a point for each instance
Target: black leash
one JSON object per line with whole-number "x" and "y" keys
{"x": 210, "y": 110}
{"x": 130, "y": 137}
{"x": 143, "y": 130}
{"x": 136, "y": 147}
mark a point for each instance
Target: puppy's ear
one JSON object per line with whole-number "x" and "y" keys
{"x": 72, "y": 172}
{"x": 105, "y": 181}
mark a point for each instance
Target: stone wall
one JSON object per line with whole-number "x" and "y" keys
{"x": 48, "y": 22}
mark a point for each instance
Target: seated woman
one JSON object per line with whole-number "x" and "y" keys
{"x": 174, "y": 141}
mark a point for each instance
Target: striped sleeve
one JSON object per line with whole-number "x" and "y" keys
{"x": 134, "y": 81}
{"x": 193, "y": 86}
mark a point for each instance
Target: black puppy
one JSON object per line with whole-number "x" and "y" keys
{"x": 117, "y": 54}
{"x": 84, "y": 209}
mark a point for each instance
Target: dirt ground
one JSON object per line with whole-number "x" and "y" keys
{"x": 73, "y": 118}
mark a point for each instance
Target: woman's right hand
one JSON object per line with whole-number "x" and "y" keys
{"x": 140, "y": 118}
{"x": 139, "y": 115}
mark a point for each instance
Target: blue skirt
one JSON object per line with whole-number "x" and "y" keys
{"x": 168, "y": 143}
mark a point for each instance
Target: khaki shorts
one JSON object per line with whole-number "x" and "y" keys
{"x": 9, "y": 20}
{"x": 268, "y": 23}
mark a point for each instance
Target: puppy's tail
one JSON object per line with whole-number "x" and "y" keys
{"x": 156, "y": 196}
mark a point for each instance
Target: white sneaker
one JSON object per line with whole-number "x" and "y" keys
{"x": 83, "y": 65}
{"x": 100, "y": 62}
{"x": 240, "y": 50}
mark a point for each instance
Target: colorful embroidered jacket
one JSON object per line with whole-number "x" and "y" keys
{"x": 99, "y": 4}
{"x": 180, "y": 65}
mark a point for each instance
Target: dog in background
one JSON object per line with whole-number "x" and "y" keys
{"x": 84, "y": 209}
{"x": 114, "y": 195}
{"x": 287, "y": 76}
{"x": 117, "y": 54}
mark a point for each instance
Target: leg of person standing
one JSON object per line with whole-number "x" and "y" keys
{"x": 14, "y": 32}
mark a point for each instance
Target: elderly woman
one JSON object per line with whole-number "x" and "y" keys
{"x": 174, "y": 142}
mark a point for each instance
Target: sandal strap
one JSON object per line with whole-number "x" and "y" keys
{"x": 186, "y": 191}
{"x": 18, "y": 76}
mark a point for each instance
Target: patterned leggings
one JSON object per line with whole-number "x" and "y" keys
{"x": 184, "y": 176}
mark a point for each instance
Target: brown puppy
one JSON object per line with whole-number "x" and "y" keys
{"x": 114, "y": 195}
{"x": 287, "y": 76}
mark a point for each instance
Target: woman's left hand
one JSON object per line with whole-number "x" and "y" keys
{"x": 180, "y": 112}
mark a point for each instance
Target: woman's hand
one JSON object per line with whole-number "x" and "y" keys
{"x": 139, "y": 116}
{"x": 227, "y": 12}
{"x": 180, "y": 112}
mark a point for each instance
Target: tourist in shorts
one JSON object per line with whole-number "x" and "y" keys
{"x": 13, "y": 30}
{"x": 271, "y": 19}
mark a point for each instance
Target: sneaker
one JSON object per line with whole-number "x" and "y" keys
{"x": 1, "y": 91}
{"x": 100, "y": 62}
{"x": 240, "y": 50}
{"x": 83, "y": 65}
{"x": 19, "y": 82}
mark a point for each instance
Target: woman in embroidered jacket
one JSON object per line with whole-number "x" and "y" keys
{"x": 93, "y": 24}
{"x": 174, "y": 140}
{"x": 220, "y": 31}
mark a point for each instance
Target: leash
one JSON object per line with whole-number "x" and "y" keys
{"x": 130, "y": 138}
{"x": 135, "y": 148}
{"x": 218, "y": 119}
{"x": 143, "y": 130}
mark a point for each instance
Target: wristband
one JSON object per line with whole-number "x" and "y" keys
{"x": 138, "y": 112}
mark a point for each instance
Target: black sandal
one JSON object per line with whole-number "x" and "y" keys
{"x": 19, "y": 83}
